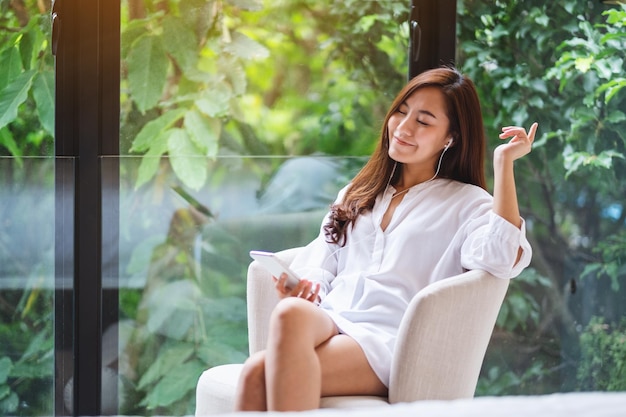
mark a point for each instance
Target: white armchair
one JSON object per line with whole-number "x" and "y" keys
{"x": 441, "y": 344}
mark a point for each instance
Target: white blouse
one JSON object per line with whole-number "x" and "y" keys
{"x": 441, "y": 228}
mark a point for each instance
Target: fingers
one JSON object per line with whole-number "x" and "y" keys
{"x": 305, "y": 289}
{"x": 519, "y": 133}
{"x": 532, "y": 131}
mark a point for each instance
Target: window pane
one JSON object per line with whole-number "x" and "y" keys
{"x": 29, "y": 290}
{"x": 183, "y": 261}
{"x": 222, "y": 84}
{"x": 562, "y": 325}
{"x": 27, "y": 210}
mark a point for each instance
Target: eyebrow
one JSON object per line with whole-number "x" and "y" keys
{"x": 426, "y": 112}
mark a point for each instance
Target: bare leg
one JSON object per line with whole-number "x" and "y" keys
{"x": 345, "y": 369}
{"x": 306, "y": 359}
{"x": 292, "y": 369}
{"x": 250, "y": 395}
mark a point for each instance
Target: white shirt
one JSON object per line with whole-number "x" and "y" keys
{"x": 441, "y": 228}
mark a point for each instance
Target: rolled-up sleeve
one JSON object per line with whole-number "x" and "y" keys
{"x": 493, "y": 244}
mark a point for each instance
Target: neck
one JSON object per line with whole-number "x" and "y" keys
{"x": 408, "y": 180}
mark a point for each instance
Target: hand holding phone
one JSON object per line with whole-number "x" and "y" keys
{"x": 275, "y": 266}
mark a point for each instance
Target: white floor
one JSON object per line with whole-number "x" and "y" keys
{"x": 554, "y": 405}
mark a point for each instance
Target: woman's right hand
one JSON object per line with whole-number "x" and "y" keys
{"x": 305, "y": 289}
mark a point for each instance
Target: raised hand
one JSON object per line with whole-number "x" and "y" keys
{"x": 520, "y": 144}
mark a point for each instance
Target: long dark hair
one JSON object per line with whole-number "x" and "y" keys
{"x": 463, "y": 162}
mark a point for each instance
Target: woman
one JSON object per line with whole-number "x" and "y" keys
{"x": 417, "y": 212}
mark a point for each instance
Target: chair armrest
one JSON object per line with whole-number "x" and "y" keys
{"x": 261, "y": 300}
{"x": 443, "y": 338}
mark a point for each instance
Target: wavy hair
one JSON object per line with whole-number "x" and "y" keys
{"x": 463, "y": 162}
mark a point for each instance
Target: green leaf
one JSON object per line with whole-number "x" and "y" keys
{"x": 147, "y": 71}
{"x": 9, "y": 405}
{"x": 169, "y": 357}
{"x": 235, "y": 73}
{"x": 216, "y": 101}
{"x": 612, "y": 87}
{"x": 6, "y": 365}
{"x": 151, "y": 160}
{"x": 5, "y": 391}
{"x": 13, "y": 95}
{"x": 43, "y": 93}
{"x": 10, "y": 66}
{"x": 213, "y": 353}
{"x": 180, "y": 42}
{"x": 172, "y": 308}
{"x": 246, "y": 48}
{"x": 6, "y": 140}
{"x": 28, "y": 46}
{"x": 154, "y": 128}
{"x": 616, "y": 117}
{"x": 203, "y": 131}
{"x": 174, "y": 386}
{"x": 187, "y": 160}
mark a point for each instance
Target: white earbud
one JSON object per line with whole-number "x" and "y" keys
{"x": 448, "y": 144}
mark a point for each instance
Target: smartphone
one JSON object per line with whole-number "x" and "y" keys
{"x": 275, "y": 266}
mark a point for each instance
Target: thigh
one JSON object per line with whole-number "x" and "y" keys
{"x": 345, "y": 369}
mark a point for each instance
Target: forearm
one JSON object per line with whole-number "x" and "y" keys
{"x": 505, "y": 202}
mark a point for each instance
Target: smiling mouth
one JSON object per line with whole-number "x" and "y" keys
{"x": 401, "y": 142}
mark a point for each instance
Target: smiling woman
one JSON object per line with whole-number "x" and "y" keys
{"x": 378, "y": 248}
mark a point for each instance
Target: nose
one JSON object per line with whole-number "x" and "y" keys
{"x": 405, "y": 127}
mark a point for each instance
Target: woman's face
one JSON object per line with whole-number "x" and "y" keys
{"x": 418, "y": 130}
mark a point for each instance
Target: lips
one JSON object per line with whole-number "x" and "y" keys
{"x": 401, "y": 142}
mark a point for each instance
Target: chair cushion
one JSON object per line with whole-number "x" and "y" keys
{"x": 353, "y": 402}
{"x": 215, "y": 393}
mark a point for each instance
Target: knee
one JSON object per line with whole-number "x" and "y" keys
{"x": 290, "y": 310}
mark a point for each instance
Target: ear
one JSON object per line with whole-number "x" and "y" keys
{"x": 449, "y": 143}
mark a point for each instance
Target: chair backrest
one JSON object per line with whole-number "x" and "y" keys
{"x": 445, "y": 333}
{"x": 261, "y": 300}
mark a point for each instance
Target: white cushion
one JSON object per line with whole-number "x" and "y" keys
{"x": 215, "y": 393}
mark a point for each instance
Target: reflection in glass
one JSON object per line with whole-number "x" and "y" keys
{"x": 183, "y": 256}
{"x": 27, "y": 283}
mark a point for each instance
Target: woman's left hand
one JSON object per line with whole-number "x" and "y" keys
{"x": 520, "y": 144}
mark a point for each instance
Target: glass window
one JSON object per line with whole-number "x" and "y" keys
{"x": 562, "y": 325}
{"x": 27, "y": 212}
{"x": 231, "y": 113}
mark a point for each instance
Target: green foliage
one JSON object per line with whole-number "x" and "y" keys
{"x": 227, "y": 66}
{"x": 521, "y": 308}
{"x": 26, "y": 83}
{"x": 186, "y": 319}
{"x": 26, "y": 372}
{"x": 602, "y": 365}
{"x": 502, "y": 381}
{"x": 562, "y": 65}
{"x": 183, "y": 63}
{"x": 611, "y": 264}
{"x": 26, "y": 298}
